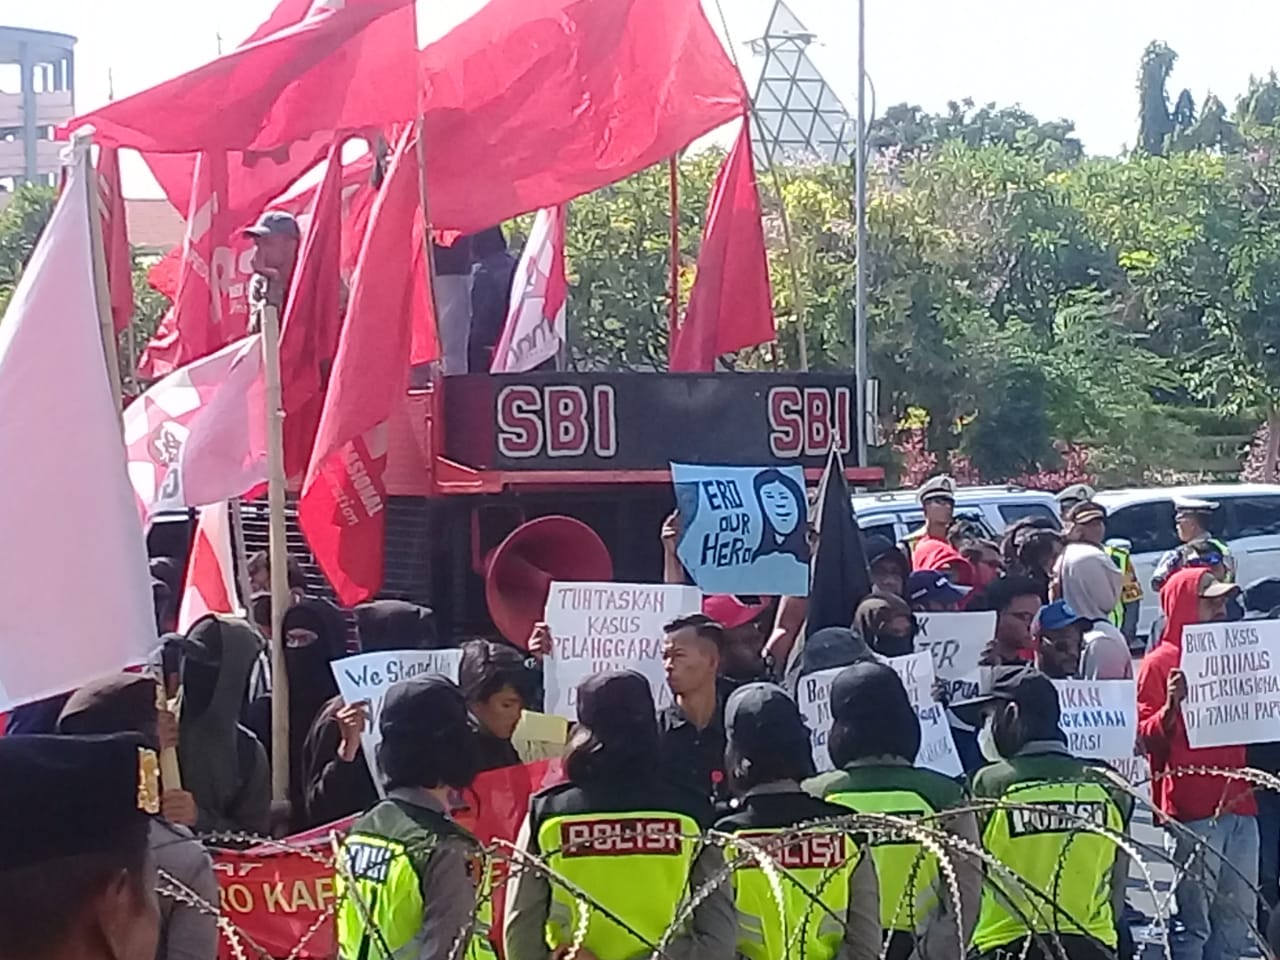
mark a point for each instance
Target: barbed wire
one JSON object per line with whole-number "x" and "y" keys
{"x": 938, "y": 845}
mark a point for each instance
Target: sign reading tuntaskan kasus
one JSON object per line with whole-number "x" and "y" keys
{"x": 609, "y": 626}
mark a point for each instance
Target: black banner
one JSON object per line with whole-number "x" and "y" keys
{"x": 637, "y": 421}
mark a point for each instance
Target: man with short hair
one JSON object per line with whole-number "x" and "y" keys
{"x": 77, "y": 881}
{"x": 691, "y": 730}
{"x": 1016, "y": 602}
{"x": 1043, "y": 797}
{"x": 1191, "y": 519}
{"x": 932, "y": 549}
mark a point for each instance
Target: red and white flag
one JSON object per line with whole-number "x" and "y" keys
{"x": 65, "y": 502}
{"x": 534, "y": 331}
{"x": 199, "y": 435}
{"x": 210, "y": 585}
{"x": 342, "y": 510}
{"x": 115, "y": 238}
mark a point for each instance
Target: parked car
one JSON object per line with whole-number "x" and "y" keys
{"x": 1247, "y": 519}
{"x": 896, "y": 514}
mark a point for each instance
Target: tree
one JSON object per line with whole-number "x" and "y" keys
{"x": 909, "y": 130}
{"x": 1157, "y": 124}
{"x": 21, "y": 223}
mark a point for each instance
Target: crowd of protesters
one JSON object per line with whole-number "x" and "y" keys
{"x": 642, "y": 785}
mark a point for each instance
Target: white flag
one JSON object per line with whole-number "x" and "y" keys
{"x": 75, "y": 591}
{"x": 535, "y": 327}
{"x": 209, "y": 587}
{"x": 199, "y": 435}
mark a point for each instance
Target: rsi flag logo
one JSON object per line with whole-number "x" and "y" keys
{"x": 607, "y": 837}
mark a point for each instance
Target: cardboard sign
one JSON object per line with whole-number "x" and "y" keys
{"x": 1233, "y": 682}
{"x": 368, "y": 676}
{"x": 609, "y": 626}
{"x": 1099, "y": 717}
{"x": 956, "y": 642}
{"x": 540, "y": 736}
{"x": 937, "y": 746}
{"x": 743, "y": 530}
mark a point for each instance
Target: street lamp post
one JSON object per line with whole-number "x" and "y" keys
{"x": 860, "y": 272}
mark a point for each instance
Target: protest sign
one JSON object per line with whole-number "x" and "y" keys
{"x": 743, "y": 530}
{"x": 609, "y": 626}
{"x": 278, "y": 899}
{"x": 937, "y": 747}
{"x": 1099, "y": 717}
{"x": 540, "y": 736}
{"x": 956, "y": 641}
{"x": 1233, "y": 682}
{"x": 368, "y": 676}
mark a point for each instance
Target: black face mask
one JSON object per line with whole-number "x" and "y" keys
{"x": 891, "y": 645}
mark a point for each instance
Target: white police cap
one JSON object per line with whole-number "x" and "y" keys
{"x": 940, "y": 487}
{"x": 1193, "y": 505}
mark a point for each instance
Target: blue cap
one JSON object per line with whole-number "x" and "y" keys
{"x": 930, "y": 586}
{"x": 1058, "y": 614}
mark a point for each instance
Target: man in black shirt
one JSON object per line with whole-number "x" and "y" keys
{"x": 692, "y": 729}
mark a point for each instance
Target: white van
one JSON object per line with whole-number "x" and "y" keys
{"x": 1247, "y": 520}
{"x": 896, "y": 514}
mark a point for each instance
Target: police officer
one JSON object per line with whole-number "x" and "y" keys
{"x": 625, "y": 838}
{"x": 407, "y": 873}
{"x": 1191, "y": 518}
{"x": 874, "y": 739}
{"x": 77, "y": 881}
{"x": 829, "y": 905}
{"x": 1071, "y": 881}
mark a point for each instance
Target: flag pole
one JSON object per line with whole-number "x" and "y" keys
{"x": 242, "y": 555}
{"x": 673, "y": 317}
{"x": 277, "y": 553}
{"x": 110, "y": 346}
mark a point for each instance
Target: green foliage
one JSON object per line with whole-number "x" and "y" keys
{"x": 21, "y": 222}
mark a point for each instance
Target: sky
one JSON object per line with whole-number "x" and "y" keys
{"x": 1076, "y": 60}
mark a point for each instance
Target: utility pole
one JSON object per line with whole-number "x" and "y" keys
{"x": 860, "y": 273}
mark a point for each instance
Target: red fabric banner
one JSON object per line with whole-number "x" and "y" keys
{"x": 731, "y": 304}
{"x": 531, "y": 103}
{"x": 342, "y": 511}
{"x": 275, "y": 897}
{"x": 115, "y": 238}
{"x": 342, "y": 67}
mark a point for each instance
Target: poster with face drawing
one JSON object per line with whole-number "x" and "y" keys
{"x": 743, "y": 530}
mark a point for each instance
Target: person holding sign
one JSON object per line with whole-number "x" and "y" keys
{"x": 498, "y": 686}
{"x": 1214, "y": 827}
{"x": 875, "y": 736}
{"x": 1059, "y": 634}
{"x": 404, "y": 874}
{"x": 625, "y": 838}
{"x": 829, "y": 891}
{"x": 1071, "y": 880}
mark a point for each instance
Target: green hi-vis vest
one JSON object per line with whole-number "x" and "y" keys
{"x": 813, "y": 868}
{"x": 380, "y": 905}
{"x": 1067, "y": 867}
{"x": 1131, "y": 591}
{"x": 908, "y": 873}
{"x": 635, "y": 865}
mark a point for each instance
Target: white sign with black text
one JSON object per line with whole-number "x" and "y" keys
{"x": 1233, "y": 682}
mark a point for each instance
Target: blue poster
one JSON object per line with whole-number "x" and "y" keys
{"x": 743, "y": 530}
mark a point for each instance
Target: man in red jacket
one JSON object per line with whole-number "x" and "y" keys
{"x": 1215, "y": 832}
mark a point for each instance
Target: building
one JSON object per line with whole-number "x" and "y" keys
{"x": 37, "y": 77}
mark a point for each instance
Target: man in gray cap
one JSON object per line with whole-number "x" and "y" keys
{"x": 276, "y": 237}
{"x": 1191, "y": 518}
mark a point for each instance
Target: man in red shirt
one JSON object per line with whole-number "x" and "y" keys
{"x": 1214, "y": 830}
{"x": 932, "y": 550}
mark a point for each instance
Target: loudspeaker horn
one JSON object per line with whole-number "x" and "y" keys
{"x": 519, "y": 571}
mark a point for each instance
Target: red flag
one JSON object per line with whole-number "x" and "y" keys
{"x": 209, "y": 586}
{"x": 531, "y": 103}
{"x": 115, "y": 238}
{"x": 312, "y": 320}
{"x": 345, "y": 66}
{"x": 731, "y": 304}
{"x": 342, "y": 510}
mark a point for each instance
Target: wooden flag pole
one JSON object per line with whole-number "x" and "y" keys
{"x": 110, "y": 345}
{"x": 242, "y": 556}
{"x": 170, "y": 770}
{"x": 277, "y": 553}
{"x": 673, "y": 317}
